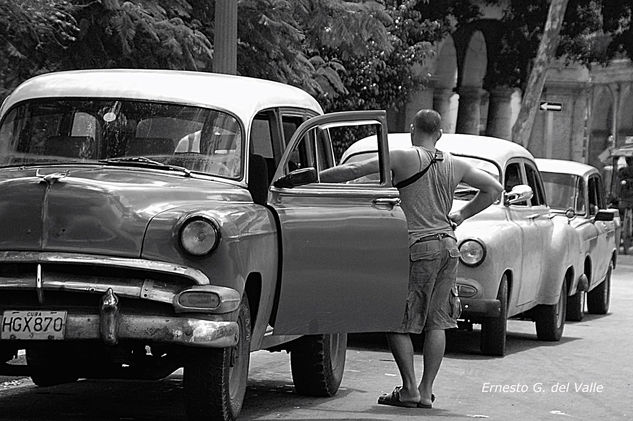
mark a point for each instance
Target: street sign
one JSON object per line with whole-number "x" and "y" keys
{"x": 551, "y": 106}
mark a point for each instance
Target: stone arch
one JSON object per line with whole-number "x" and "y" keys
{"x": 445, "y": 99}
{"x": 625, "y": 111}
{"x": 471, "y": 79}
{"x": 601, "y": 127}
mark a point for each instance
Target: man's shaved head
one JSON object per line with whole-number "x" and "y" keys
{"x": 427, "y": 121}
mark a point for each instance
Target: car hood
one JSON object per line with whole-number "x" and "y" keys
{"x": 99, "y": 210}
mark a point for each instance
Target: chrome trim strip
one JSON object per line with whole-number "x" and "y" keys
{"x": 87, "y": 259}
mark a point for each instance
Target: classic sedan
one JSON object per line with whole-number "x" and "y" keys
{"x": 153, "y": 220}
{"x": 516, "y": 262}
{"x": 577, "y": 196}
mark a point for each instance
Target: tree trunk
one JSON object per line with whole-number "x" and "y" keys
{"x": 522, "y": 128}
{"x": 225, "y": 39}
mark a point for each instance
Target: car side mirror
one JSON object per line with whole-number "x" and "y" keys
{"x": 606, "y": 215}
{"x": 519, "y": 193}
{"x": 296, "y": 178}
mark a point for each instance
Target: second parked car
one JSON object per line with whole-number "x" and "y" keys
{"x": 516, "y": 261}
{"x": 576, "y": 193}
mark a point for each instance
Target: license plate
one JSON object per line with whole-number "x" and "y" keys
{"x": 33, "y": 325}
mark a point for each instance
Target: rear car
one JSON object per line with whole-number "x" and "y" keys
{"x": 576, "y": 194}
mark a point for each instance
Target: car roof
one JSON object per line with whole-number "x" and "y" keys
{"x": 490, "y": 148}
{"x": 243, "y": 96}
{"x": 565, "y": 167}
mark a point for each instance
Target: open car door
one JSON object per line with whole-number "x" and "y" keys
{"x": 344, "y": 246}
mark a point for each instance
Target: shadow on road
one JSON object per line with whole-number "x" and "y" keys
{"x": 460, "y": 344}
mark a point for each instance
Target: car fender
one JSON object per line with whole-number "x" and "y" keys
{"x": 248, "y": 247}
{"x": 503, "y": 246}
{"x": 563, "y": 255}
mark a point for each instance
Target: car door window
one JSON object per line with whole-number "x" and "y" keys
{"x": 263, "y": 142}
{"x": 513, "y": 178}
{"x": 594, "y": 195}
{"x": 580, "y": 196}
{"x": 534, "y": 181}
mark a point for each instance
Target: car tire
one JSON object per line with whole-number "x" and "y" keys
{"x": 49, "y": 366}
{"x": 599, "y": 298}
{"x": 215, "y": 379}
{"x": 550, "y": 319}
{"x": 575, "y": 306}
{"x": 317, "y": 363}
{"x": 493, "y": 329}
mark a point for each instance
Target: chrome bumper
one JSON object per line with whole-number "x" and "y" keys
{"x": 181, "y": 330}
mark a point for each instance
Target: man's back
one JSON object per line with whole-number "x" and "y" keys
{"x": 427, "y": 201}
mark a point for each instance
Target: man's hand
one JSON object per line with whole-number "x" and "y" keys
{"x": 456, "y": 219}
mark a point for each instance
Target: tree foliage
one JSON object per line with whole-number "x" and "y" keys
{"x": 593, "y": 30}
{"x": 34, "y": 35}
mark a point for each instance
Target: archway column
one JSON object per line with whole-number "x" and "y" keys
{"x": 500, "y": 113}
{"x": 469, "y": 112}
{"x": 442, "y": 104}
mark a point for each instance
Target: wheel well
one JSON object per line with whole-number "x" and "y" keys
{"x": 614, "y": 259}
{"x": 508, "y": 275}
{"x": 253, "y": 290}
{"x": 588, "y": 268}
{"x": 569, "y": 276}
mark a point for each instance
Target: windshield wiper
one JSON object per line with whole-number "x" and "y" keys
{"x": 142, "y": 161}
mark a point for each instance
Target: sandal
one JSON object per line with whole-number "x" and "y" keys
{"x": 393, "y": 399}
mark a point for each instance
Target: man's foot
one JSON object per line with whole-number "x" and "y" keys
{"x": 427, "y": 405}
{"x": 394, "y": 399}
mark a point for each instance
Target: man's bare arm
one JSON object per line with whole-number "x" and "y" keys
{"x": 489, "y": 191}
{"x": 349, "y": 171}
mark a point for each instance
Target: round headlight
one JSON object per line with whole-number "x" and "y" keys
{"x": 199, "y": 236}
{"x": 472, "y": 252}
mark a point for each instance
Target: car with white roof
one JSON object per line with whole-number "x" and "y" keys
{"x": 516, "y": 262}
{"x": 576, "y": 195}
{"x": 157, "y": 219}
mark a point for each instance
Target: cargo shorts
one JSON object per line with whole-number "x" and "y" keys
{"x": 432, "y": 301}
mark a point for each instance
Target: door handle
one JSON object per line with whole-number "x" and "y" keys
{"x": 386, "y": 201}
{"x": 534, "y": 216}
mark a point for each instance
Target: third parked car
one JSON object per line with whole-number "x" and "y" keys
{"x": 576, "y": 194}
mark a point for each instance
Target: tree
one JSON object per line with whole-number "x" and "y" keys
{"x": 549, "y": 43}
{"x": 33, "y": 36}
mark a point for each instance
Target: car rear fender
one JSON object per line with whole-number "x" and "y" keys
{"x": 564, "y": 261}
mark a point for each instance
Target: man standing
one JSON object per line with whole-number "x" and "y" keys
{"x": 426, "y": 179}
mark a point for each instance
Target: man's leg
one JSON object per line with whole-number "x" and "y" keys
{"x": 402, "y": 349}
{"x": 434, "y": 345}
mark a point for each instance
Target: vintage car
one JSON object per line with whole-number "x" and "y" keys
{"x": 576, "y": 195}
{"x": 153, "y": 220}
{"x": 515, "y": 261}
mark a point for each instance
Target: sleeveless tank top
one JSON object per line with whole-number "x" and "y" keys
{"x": 427, "y": 201}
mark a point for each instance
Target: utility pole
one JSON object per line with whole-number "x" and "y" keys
{"x": 522, "y": 128}
{"x": 225, "y": 39}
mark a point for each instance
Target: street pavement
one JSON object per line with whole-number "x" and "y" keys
{"x": 585, "y": 376}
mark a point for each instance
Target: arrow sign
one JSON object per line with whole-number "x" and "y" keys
{"x": 551, "y": 106}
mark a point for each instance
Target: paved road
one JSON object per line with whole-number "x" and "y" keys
{"x": 585, "y": 376}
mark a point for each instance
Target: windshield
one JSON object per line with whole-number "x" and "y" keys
{"x": 564, "y": 191}
{"x": 467, "y": 192}
{"x": 61, "y": 131}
